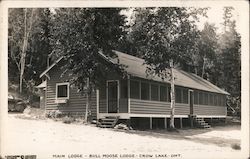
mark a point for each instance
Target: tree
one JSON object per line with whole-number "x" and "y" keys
{"x": 207, "y": 48}
{"x": 166, "y": 33}
{"x": 80, "y": 35}
{"x": 28, "y": 45}
{"x": 230, "y": 64}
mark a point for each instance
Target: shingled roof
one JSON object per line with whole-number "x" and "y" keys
{"x": 136, "y": 67}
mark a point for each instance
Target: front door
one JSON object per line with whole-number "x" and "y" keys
{"x": 112, "y": 96}
{"x": 191, "y": 101}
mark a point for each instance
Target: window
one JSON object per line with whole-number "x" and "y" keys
{"x": 163, "y": 93}
{"x": 215, "y": 100}
{"x": 154, "y": 92}
{"x": 201, "y": 98}
{"x": 178, "y": 95}
{"x": 124, "y": 89}
{"x": 185, "y": 96}
{"x": 62, "y": 90}
{"x": 210, "y": 99}
{"x": 205, "y": 98}
{"x": 134, "y": 89}
{"x": 144, "y": 91}
{"x": 195, "y": 97}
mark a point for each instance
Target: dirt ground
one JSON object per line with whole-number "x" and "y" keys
{"x": 50, "y": 139}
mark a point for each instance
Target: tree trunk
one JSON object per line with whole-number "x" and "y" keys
{"x": 203, "y": 67}
{"x": 24, "y": 47}
{"x": 172, "y": 106}
{"x": 88, "y": 101}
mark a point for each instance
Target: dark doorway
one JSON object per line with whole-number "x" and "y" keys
{"x": 191, "y": 102}
{"x": 112, "y": 96}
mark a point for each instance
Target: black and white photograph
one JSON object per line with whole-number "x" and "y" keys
{"x": 124, "y": 80}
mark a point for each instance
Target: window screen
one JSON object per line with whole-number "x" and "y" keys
{"x": 62, "y": 91}
{"x": 134, "y": 89}
{"x": 144, "y": 91}
{"x": 124, "y": 89}
{"x": 206, "y": 98}
{"x": 185, "y": 96}
{"x": 154, "y": 92}
{"x": 210, "y": 99}
{"x": 163, "y": 93}
{"x": 195, "y": 97}
{"x": 178, "y": 95}
{"x": 201, "y": 99}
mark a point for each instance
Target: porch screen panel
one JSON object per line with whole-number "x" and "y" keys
{"x": 178, "y": 95}
{"x": 163, "y": 93}
{"x": 195, "y": 97}
{"x": 206, "y": 98}
{"x": 185, "y": 96}
{"x": 144, "y": 91}
{"x": 201, "y": 98}
{"x": 134, "y": 89}
{"x": 124, "y": 89}
{"x": 210, "y": 99}
{"x": 154, "y": 92}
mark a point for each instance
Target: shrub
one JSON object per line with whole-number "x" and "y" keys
{"x": 236, "y": 146}
{"x": 68, "y": 120}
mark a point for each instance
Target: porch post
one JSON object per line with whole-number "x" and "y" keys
{"x": 128, "y": 94}
{"x": 181, "y": 123}
{"x": 165, "y": 123}
{"x": 97, "y": 104}
{"x": 151, "y": 127}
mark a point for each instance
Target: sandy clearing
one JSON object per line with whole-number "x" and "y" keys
{"x": 45, "y": 138}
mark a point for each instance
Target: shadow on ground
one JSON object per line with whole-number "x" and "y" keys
{"x": 195, "y": 135}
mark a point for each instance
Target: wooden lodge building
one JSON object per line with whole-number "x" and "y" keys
{"x": 142, "y": 100}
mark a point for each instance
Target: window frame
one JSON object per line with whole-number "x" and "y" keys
{"x": 61, "y": 84}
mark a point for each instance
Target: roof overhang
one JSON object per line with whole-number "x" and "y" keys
{"x": 50, "y": 67}
{"x": 42, "y": 85}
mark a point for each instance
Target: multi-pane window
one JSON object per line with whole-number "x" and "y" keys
{"x": 144, "y": 91}
{"x": 163, "y": 93}
{"x": 154, "y": 92}
{"x": 134, "y": 89}
{"x": 62, "y": 90}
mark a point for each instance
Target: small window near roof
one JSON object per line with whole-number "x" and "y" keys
{"x": 62, "y": 90}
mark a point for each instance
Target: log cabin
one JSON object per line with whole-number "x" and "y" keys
{"x": 139, "y": 99}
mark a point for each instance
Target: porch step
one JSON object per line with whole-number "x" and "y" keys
{"x": 108, "y": 122}
{"x": 200, "y": 123}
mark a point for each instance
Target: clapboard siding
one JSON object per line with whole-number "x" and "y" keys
{"x": 123, "y": 105}
{"x": 209, "y": 110}
{"x": 76, "y": 103}
{"x": 154, "y": 107}
{"x": 103, "y": 106}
